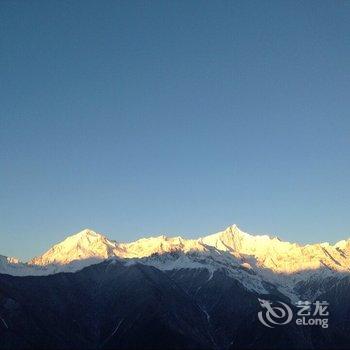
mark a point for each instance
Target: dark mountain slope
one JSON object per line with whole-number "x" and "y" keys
{"x": 103, "y": 306}
{"x": 113, "y": 305}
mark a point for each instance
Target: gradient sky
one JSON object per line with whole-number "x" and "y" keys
{"x": 137, "y": 118}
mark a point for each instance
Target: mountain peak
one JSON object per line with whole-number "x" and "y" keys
{"x": 234, "y": 230}
{"x": 9, "y": 259}
{"x": 232, "y": 227}
{"x": 87, "y": 232}
{"x": 236, "y": 241}
{"x": 86, "y": 244}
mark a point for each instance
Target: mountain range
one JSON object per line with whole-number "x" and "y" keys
{"x": 170, "y": 292}
{"x": 255, "y": 260}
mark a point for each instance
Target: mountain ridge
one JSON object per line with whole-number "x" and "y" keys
{"x": 87, "y": 244}
{"x": 232, "y": 229}
{"x": 257, "y": 261}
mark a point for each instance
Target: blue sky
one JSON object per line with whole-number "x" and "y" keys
{"x": 138, "y": 118}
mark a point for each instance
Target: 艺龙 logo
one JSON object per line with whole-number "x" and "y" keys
{"x": 277, "y": 315}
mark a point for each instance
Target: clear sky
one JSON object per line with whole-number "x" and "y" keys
{"x": 137, "y": 118}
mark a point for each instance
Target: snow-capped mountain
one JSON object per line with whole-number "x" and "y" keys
{"x": 262, "y": 251}
{"x": 120, "y": 293}
{"x": 12, "y": 266}
{"x": 255, "y": 260}
{"x": 87, "y": 245}
{"x": 278, "y": 256}
{"x": 83, "y": 245}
